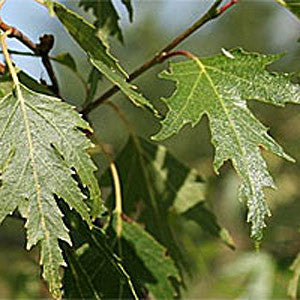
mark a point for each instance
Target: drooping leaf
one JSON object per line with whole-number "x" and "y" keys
{"x": 219, "y": 86}
{"x": 128, "y": 89}
{"x": 41, "y": 149}
{"x": 293, "y": 284}
{"x": 107, "y": 17}
{"x": 148, "y": 262}
{"x": 208, "y": 222}
{"x": 86, "y": 36}
{"x": 6, "y": 84}
{"x": 154, "y": 184}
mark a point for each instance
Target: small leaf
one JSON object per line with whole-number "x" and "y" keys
{"x": 219, "y": 86}
{"x": 41, "y": 148}
{"x": 6, "y": 84}
{"x": 67, "y": 60}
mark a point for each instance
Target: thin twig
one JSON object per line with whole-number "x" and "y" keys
{"x": 211, "y": 14}
{"x": 41, "y": 49}
{"x": 117, "y": 185}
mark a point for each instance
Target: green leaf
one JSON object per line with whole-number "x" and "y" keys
{"x": 67, "y": 60}
{"x": 151, "y": 180}
{"x": 6, "y": 84}
{"x": 208, "y": 222}
{"x": 148, "y": 262}
{"x": 90, "y": 262}
{"x": 128, "y": 89}
{"x": 86, "y": 36}
{"x": 42, "y": 146}
{"x": 293, "y": 284}
{"x": 154, "y": 185}
{"x": 219, "y": 86}
{"x": 107, "y": 18}
{"x": 94, "y": 77}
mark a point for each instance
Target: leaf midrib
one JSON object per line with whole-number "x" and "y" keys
{"x": 202, "y": 68}
{"x": 35, "y": 175}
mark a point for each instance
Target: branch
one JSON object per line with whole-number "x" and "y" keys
{"x": 41, "y": 49}
{"x": 211, "y": 14}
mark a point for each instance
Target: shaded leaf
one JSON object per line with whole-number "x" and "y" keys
{"x": 94, "y": 271}
{"x": 154, "y": 183}
{"x": 219, "y": 86}
{"x": 41, "y": 148}
{"x": 208, "y": 222}
{"x": 107, "y": 18}
{"x": 148, "y": 262}
{"x": 6, "y": 84}
{"x": 93, "y": 81}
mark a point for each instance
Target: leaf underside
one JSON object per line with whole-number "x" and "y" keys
{"x": 218, "y": 87}
{"x": 42, "y": 146}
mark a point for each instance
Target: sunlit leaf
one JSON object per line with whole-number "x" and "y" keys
{"x": 218, "y": 87}
{"x": 42, "y": 147}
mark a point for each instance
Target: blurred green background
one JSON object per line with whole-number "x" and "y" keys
{"x": 217, "y": 272}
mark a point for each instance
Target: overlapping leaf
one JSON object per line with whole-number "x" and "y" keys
{"x": 148, "y": 262}
{"x": 219, "y": 86}
{"x": 94, "y": 271}
{"x": 107, "y": 17}
{"x": 41, "y": 149}
{"x": 86, "y": 36}
{"x": 155, "y": 183}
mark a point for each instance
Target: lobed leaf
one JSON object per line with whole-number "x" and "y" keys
{"x": 219, "y": 87}
{"x": 42, "y": 146}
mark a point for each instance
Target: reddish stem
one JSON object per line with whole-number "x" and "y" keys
{"x": 227, "y": 6}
